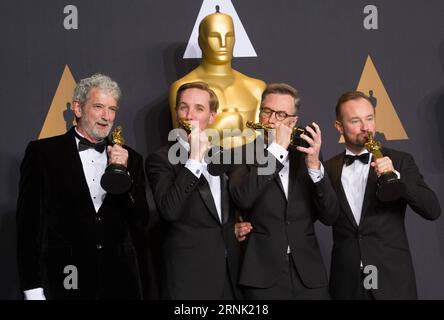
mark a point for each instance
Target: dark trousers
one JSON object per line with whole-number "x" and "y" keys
{"x": 228, "y": 293}
{"x": 289, "y": 286}
{"x": 361, "y": 292}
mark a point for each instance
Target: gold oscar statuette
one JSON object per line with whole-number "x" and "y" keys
{"x": 116, "y": 179}
{"x": 188, "y": 127}
{"x": 389, "y": 186}
{"x": 295, "y": 140}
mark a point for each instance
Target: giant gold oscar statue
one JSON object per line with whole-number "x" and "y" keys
{"x": 239, "y": 95}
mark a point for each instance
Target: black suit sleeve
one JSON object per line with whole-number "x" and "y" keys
{"x": 418, "y": 195}
{"x": 170, "y": 189}
{"x": 139, "y": 214}
{"x": 247, "y": 184}
{"x": 325, "y": 201}
{"x": 29, "y": 211}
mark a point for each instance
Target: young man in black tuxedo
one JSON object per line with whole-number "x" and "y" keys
{"x": 74, "y": 240}
{"x": 282, "y": 259}
{"x": 370, "y": 232}
{"x": 200, "y": 251}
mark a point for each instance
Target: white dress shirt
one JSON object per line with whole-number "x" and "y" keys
{"x": 199, "y": 168}
{"x": 94, "y": 165}
{"x": 354, "y": 181}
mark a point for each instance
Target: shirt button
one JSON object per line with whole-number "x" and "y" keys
{"x": 98, "y": 218}
{"x": 287, "y": 223}
{"x": 99, "y": 246}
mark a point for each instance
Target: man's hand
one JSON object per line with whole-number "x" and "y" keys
{"x": 312, "y": 152}
{"x": 382, "y": 165}
{"x": 199, "y": 143}
{"x": 241, "y": 230}
{"x": 283, "y": 135}
{"x": 117, "y": 155}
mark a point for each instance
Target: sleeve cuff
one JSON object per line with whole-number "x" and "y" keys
{"x": 195, "y": 167}
{"x": 278, "y": 152}
{"x": 316, "y": 174}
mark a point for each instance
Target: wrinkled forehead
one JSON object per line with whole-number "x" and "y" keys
{"x": 102, "y": 96}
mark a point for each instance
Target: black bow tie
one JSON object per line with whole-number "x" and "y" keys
{"x": 349, "y": 159}
{"x": 85, "y": 144}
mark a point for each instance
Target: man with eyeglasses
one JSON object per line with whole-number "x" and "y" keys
{"x": 282, "y": 259}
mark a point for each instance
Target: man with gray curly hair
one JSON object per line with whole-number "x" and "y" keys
{"x": 94, "y": 87}
{"x": 75, "y": 240}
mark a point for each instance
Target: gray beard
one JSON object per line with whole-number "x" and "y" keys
{"x": 94, "y": 133}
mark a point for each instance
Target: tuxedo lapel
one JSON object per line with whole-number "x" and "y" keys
{"x": 225, "y": 197}
{"x": 262, "y": 155}
{"x": 203, "y": 187}
{"x": 72, "y": 163}
{"x": 279, "y": 183}
{"x": 337, "y": 184}
{"x": 370, "y": 191}
{"x": 207, "y": 197}
{"x": 294, "y": 164}
{"x": 292, "y": 180}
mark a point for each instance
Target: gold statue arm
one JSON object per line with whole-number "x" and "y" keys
{"x": 373, "y": 146}
{"x": 295, "y": 136}
{"x": 257, "y": 125}
{"x": 117, "y": 137}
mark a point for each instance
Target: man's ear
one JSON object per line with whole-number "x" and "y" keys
{"x": 77, "y": 108}
{"x": 212, "y": 117}
{"x": 294, "y": 121}
{"x": 339, "y": 127}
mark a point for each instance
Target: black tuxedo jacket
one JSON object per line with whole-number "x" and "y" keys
{"x": 380, "y": 239}
{"x": 196, "y": 246}
{"x": 58, "y": 226}
{"x": 278, "y": 223}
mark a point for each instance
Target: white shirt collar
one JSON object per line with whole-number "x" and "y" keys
{"x": 347, "y": 151}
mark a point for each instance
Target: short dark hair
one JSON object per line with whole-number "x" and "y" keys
{"x": 214, "y": 101}
{"x": 283, "y": 88}
{"x": 347, "y": 96}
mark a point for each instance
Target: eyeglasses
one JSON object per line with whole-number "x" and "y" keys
{"x": 280, "y": 115}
